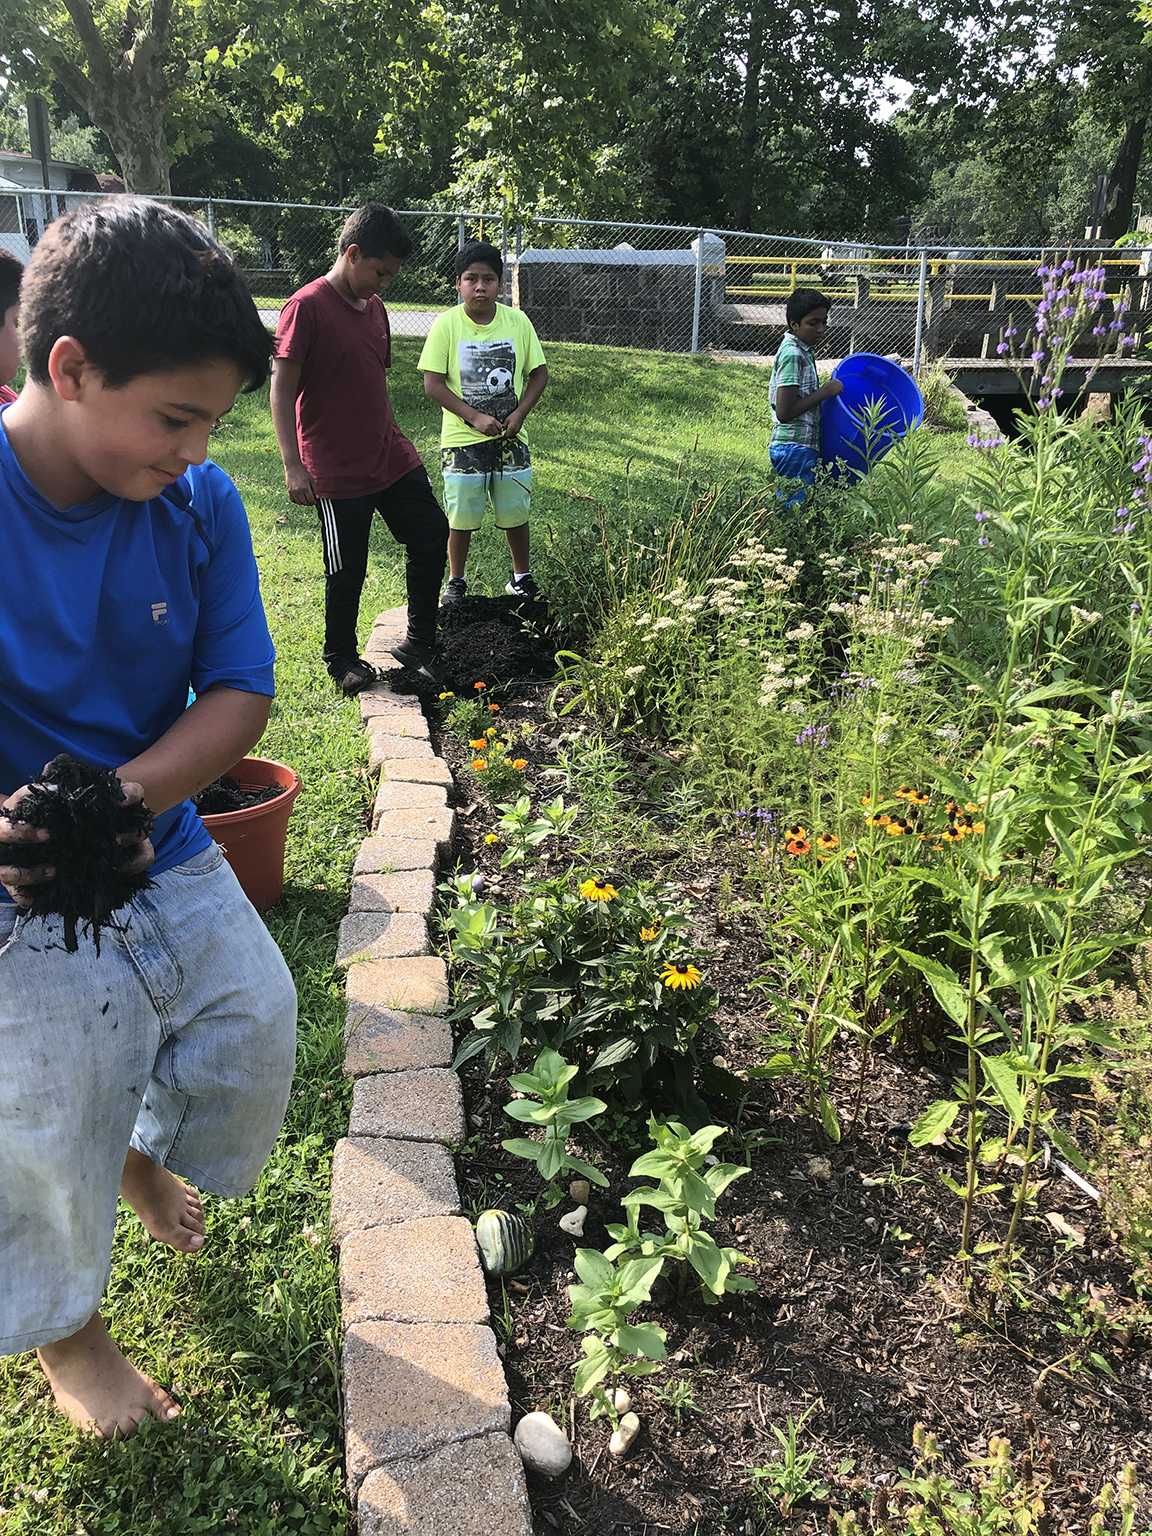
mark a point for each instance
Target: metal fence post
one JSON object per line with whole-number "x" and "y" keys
{"x": 920, "y": 314}
{"x": 210, "y": 218}
{"x": 699, "y": 289}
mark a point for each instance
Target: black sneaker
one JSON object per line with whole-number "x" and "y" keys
{"x": 418, "y": 658}
{"x": 352, "y": 674}
{"x": 454, "y": 591}
{"x": 525, "y": 587}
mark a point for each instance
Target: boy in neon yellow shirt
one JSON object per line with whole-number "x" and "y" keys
{"x": 484, "y": 366}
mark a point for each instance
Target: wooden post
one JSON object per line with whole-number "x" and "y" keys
{"x": 934, "y": 314}
{"x": 993, "y": 300}
{"x": 863, "y": 290}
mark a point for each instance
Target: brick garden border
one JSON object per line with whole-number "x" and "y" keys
{"x": 426, "y": 1403}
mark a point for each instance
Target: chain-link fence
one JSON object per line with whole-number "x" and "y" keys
{"x": 669, "y": 287}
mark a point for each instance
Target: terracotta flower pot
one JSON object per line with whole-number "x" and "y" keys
{"x": 253, "y": 839}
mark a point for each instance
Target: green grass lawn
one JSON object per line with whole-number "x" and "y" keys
{"x": 247, "y": 1333}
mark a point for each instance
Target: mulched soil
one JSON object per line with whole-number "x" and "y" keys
{"x": 858, "y": 1308}
{"x": 224, "y": 795}
{"x": 494, "y": 640}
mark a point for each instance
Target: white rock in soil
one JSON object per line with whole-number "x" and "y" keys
{"x": 623, "y": 1437}
{"x": 820, "y": 1169}
{"x": 621, "y": 1400}
{"x": 580, "y": 1190}
{"x": 573, "y": 1223}
{"x": 542, "y": 1444}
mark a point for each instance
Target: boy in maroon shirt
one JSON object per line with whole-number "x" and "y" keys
{"x": 11, "y": 273}
{"x": 343, "y": 452}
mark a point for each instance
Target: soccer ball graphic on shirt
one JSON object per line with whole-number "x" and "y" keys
{"x": 488, "y": 376}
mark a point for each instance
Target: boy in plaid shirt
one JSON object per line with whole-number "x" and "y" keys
{"x": 795, "y": 393}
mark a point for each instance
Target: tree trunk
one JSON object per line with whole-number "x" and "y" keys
{"x": 1120, "y": 193}
{"x": 124, "y": 91}
{"x": 750, "y": 118}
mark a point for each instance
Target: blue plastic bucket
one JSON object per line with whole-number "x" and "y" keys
{"x": 867, "y": 377}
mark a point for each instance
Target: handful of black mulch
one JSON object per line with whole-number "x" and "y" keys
{"x": 84, "y": 811}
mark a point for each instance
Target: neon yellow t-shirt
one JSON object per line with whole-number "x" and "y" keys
{"x": 486, "y": 365}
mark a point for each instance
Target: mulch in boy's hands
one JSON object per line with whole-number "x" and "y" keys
{"x": 86, "y": 814}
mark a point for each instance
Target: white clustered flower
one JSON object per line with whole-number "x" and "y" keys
{"x": 635, "y": 671}
{"x": 947, "y": 733}
{"x": 664, "y": 622}
{"x": 1083, "y": 616}
{"x": 794, "y": 707}
{"x": 803, "y": 631}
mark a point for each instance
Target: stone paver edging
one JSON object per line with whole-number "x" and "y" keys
{"x": 426, "y": 1403}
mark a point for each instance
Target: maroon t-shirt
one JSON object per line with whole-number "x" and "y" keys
{"x": 348, "y": 437}
{"x": 7, "y": 395}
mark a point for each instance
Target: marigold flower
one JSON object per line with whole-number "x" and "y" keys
{"x": 447, "y": 696}
{"x": 827, "y": 840}
{"x": 479, "y": 685}
{"x": 479, "y": 764}
{"x": 798, "y": 846}
{"x": 648, "y": 934}
{"x": 520, "y": 763}
{"x": 491, "y": 731}
{"x": 491, "y": 837}
{"x": 678, "y": 976}
{"x": 493, "y": 709}
{"x": 478, "y": 744}
{"x": 598, "y": 890}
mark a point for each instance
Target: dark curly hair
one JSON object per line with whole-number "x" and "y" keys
{"x": 142, "y": 288}
{"x": 11, "y": 272}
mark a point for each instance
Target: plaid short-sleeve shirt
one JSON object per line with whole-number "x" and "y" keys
{"x": 796, "y": 365}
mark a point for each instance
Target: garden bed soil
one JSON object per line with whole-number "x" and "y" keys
{"x": 494, "y": 640}
{"x": 859, "y": 1312}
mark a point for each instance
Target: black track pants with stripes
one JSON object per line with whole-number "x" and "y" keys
{"x": 415, "y": 519}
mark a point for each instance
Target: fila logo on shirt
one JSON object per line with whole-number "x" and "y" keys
{"x": 159, "y": 613}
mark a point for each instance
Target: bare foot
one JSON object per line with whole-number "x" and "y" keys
{"x": 169, "y": 1208}
{"x": 97, "y": 1388}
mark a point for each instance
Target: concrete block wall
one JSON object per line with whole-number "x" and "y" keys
{"x": 426, "y": 1403}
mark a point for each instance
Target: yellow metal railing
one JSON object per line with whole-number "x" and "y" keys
{"x": 782, "y": 275}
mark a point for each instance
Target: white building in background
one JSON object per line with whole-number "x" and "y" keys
{"x": 24, "y": 214}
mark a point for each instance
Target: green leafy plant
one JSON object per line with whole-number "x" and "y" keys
{"x": 521, "y": 832}
{"x": 686, "y": 1197}
{"x": 778, "y": 1486}
{"x": 597, "y": 974}
{"x": 557, "y": 1114}
{"x": 601, "y": 1306}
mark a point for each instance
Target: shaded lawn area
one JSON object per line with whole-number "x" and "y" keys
{"x": 247, "y": 1334}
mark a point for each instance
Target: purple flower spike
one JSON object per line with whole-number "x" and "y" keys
{"x": 1037, "y": 357}
{"x": 1067, "y": 265}
{"x": 1099, "y": 330}
{"x": 1001, "y": 349}
{"x": 1011, "y": 331}
{"x": 1042, "y": 271}
{"x": 1067, "y": 312}
{"x": 983, "y": 543}
{"x": 981, "y": 517}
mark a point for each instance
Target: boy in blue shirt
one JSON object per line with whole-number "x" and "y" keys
{"x": 167, "y": 1054}
{"x": 795, "y": 394}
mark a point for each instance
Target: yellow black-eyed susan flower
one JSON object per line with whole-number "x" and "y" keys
{"x": 680, "y": 976}
{"x": 877, "y": 821}
{"x": 796, "y": 832}
{"x": 897, "y": 827}
{"x": 598, "y": 890}
{"x": 797, "y": 846}
{"x": 648, "y": 934}
{"x": 953, "y": 834}
{"x": 952, "y": 810}
{"x": 827, "y": 841}
{"x": 917, "y": 797}
{"x": 972, "y": 809}
{"x": 479, "y": 764}
{"x": 866, "y": 801}
{"x": 904, "y": 792}
{"x": 978, "y": 826}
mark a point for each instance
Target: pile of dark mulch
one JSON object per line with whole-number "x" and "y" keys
{"x": 224, "y": 794}
{"x": 493, "y": 640}
{"x": 84, "y": 811}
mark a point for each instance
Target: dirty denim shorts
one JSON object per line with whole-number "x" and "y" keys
{"x": 179, "y": 1038}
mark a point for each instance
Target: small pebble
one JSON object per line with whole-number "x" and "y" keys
{"x": 820, "y": 1169}
{"x": 623, "y": 1437}
{"x": 719, "y": 1061}
{"x": 580, "y": 1190}
{"x": 542, "y": 1444}
{"x": 573, "y": 1223}
{"x": 621, "y": 1400}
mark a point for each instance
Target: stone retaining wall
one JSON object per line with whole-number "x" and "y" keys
{"x": 426, "y": 1404}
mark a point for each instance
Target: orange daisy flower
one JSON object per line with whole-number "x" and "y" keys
{"x": 798, "y": 846}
